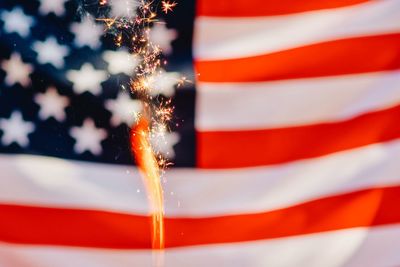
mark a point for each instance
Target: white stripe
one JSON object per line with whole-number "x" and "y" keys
{"x": 357, "y": 247}
{"x": 223, "y": 38}
{"x": 291, "y": 103}
{"x": 31, "y": 180}
{"x": 56, "y": 182}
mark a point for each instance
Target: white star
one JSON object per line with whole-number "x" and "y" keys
{"x": 87, "y": 32}
{"x": 87, "y": 79}
{"x": 17, "y": 21}
{"x": 163, "y": 142}
{"x": 16, "y": 130}
{"x": 120, "y": 62}
{"x": 16, "y": 70}
{"x": 162, "y": 36}
{"x": 52, "y": 104}
{"x": 51, "y": 52}
{"x": 123, "y": 8}
{"x": 123, "y": 109}
{"x": 52, "y": 6}
{"x": 163, "y": 83}
{"x": 88, "y": 138}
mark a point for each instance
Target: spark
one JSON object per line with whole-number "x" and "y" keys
{"x": 182, "y": 81}
{"x": 108, "y": 21}
{"x": 168, "y": 6}
{"x": 118, "y": 40}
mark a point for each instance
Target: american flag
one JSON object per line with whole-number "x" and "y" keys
{"x": 285, "y": 148}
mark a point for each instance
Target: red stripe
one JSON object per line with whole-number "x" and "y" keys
{"x": 50, "y": 226}
{"x": 234, "y": 149}
{"x": 246, "y": 8}
{"x": 347, "y": 56}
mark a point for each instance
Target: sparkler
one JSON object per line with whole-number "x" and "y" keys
{"x": 133, "y": 31}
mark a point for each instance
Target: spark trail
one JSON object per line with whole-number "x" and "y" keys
{"x": 130, "y": 27}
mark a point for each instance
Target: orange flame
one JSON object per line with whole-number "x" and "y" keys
{"x": 148, "y": 165}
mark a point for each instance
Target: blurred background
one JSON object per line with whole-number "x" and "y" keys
{"x": 54, "y": 43}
